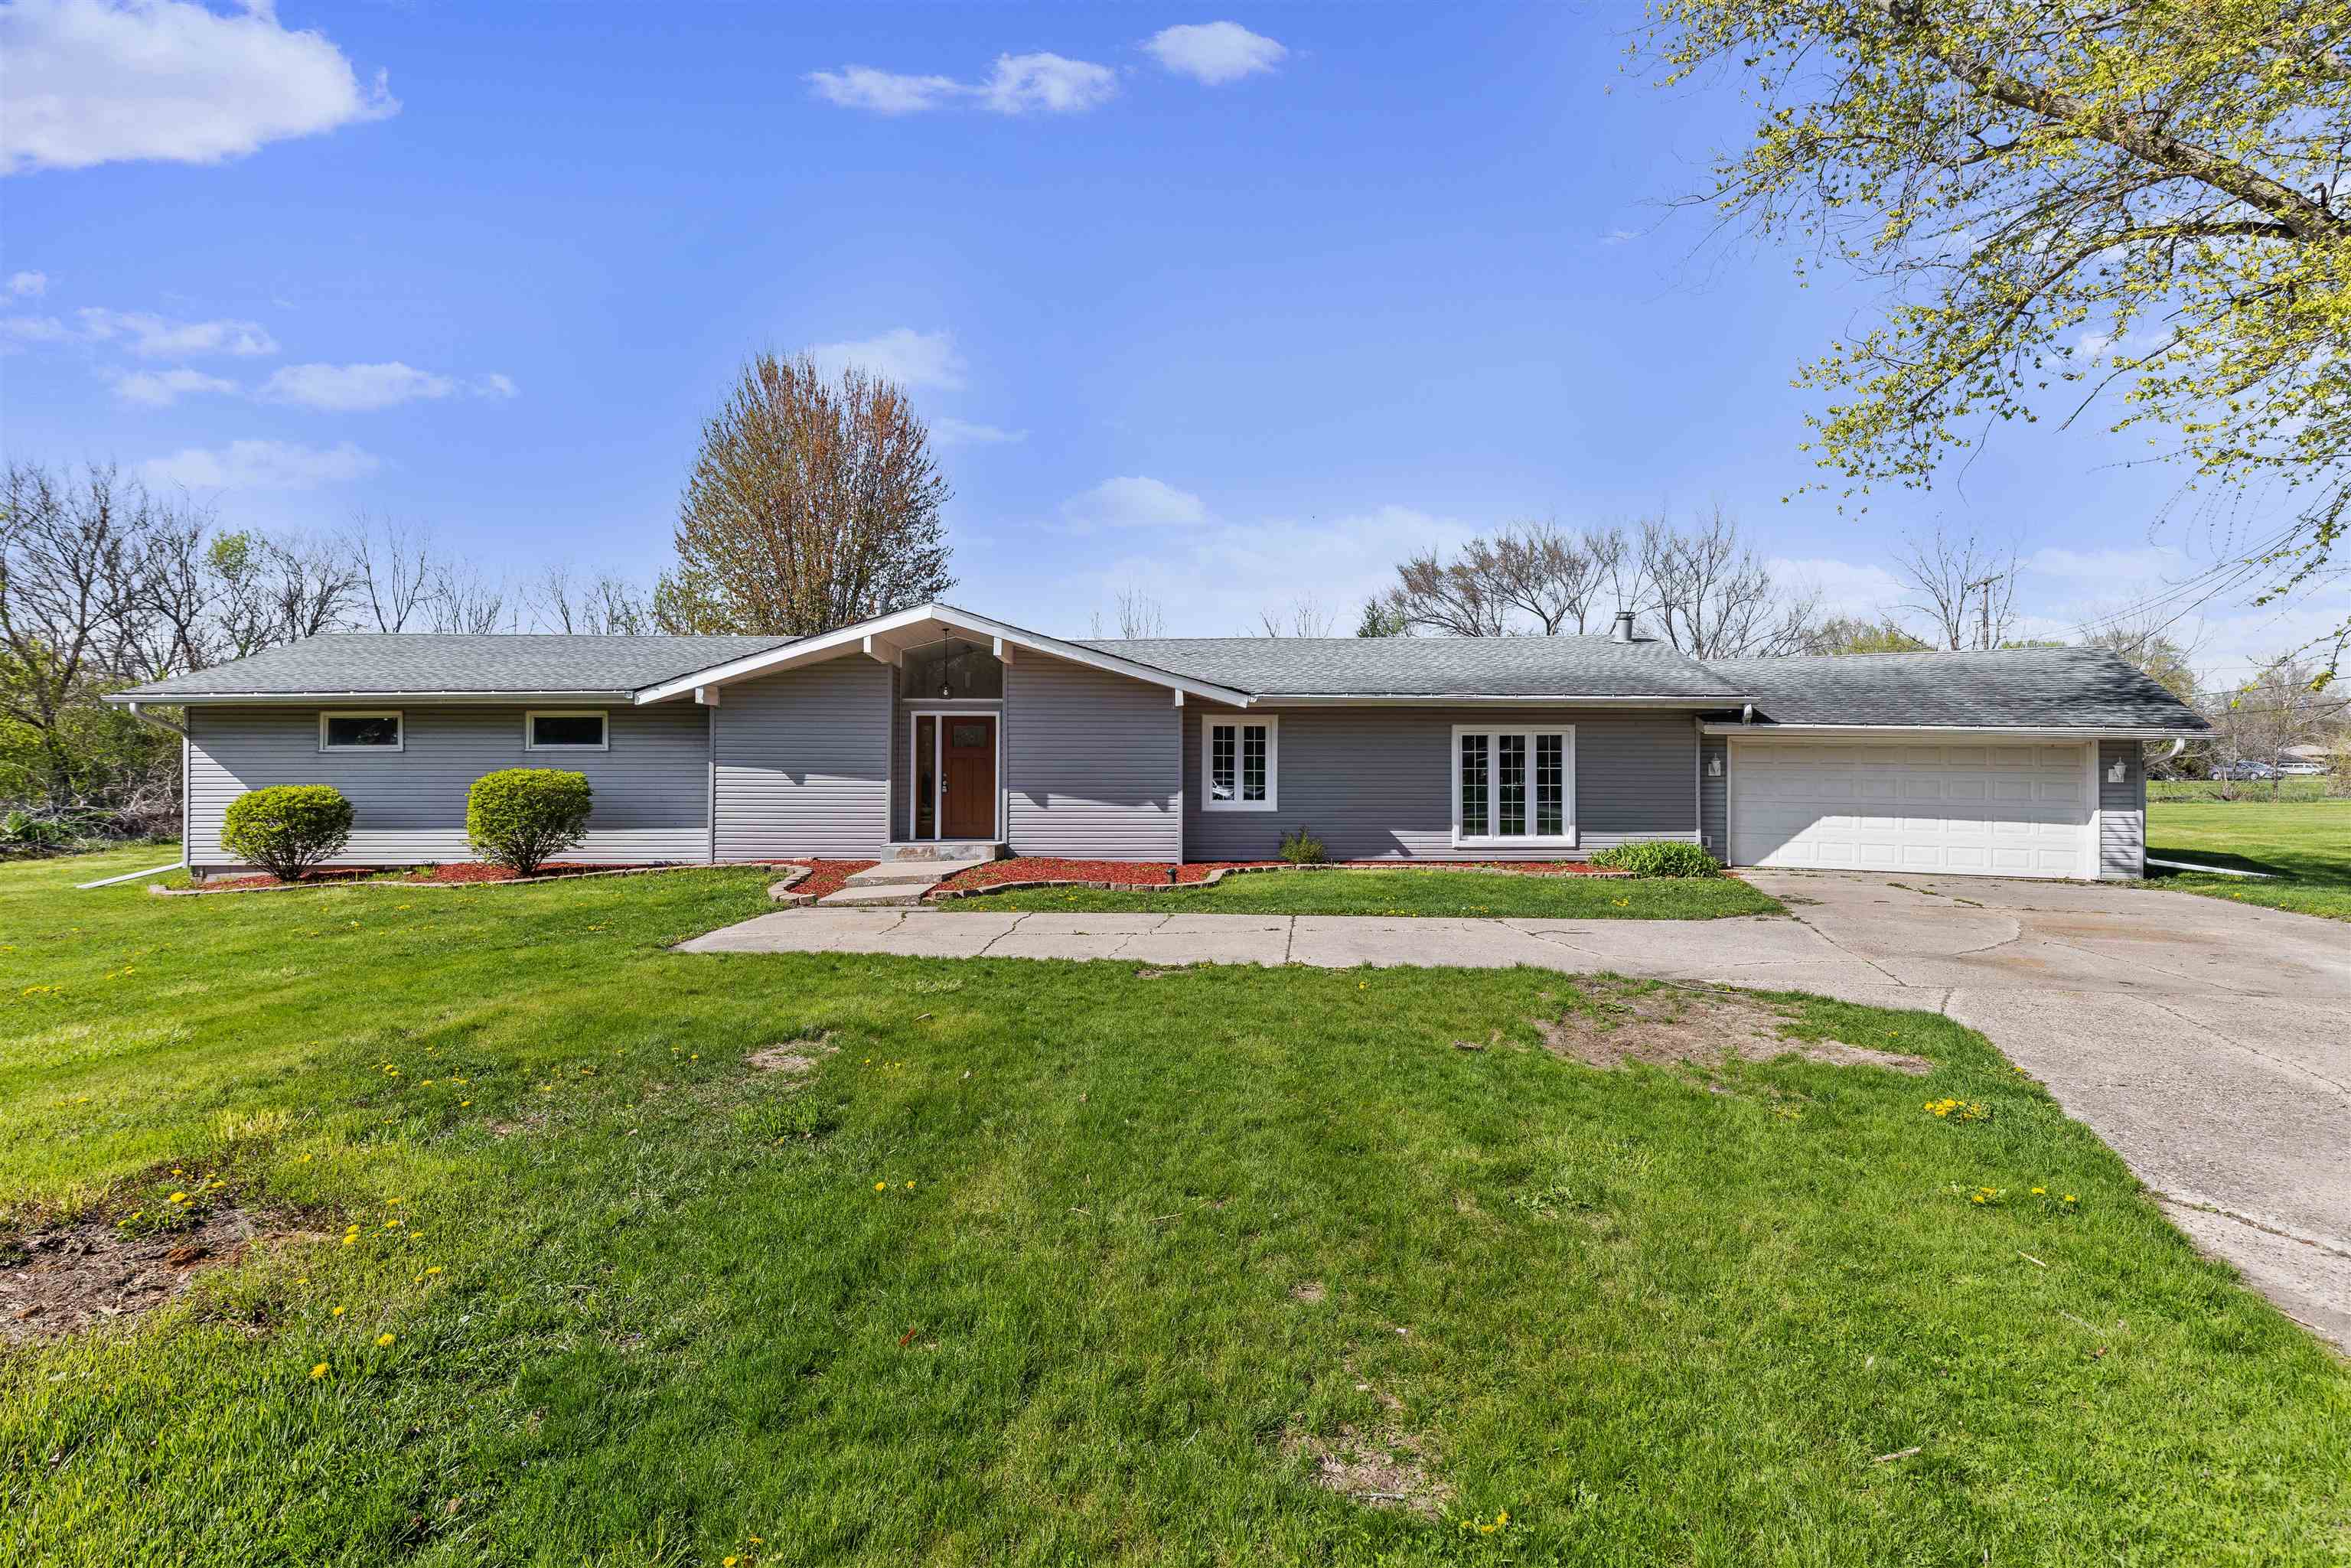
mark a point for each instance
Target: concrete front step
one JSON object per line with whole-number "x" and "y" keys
{"x": 892, "y": 872}
{"x": 958, "y": 850}
{"x": 895, "y": 893}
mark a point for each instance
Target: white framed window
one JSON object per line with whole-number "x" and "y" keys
{"x": 1240, "y": 763}
{"x": 355, "y": 729}
{"x": 1514, "y": 784}
{"x": 564, "y": 729}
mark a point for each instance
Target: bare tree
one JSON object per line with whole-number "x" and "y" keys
{"x": 2286, "y": 703}
{"x": 1139, "y": 614}
{"x": 1963, "y": 589}
{"x": 396, "y": 569}
{"x": 604, "y": 605}
{"x": 1448, "y": 598}
{"x": 1531, "y": 576}
{"x": 1712, "y": 595}
{"x": 463, "y": 600}
{"x": 1305, "y": 617}
{"x": 175, "y": 630}
{"x": 71, "y": 554}
{"x": 278, "y": 589}
{"x": 814, "y": 502}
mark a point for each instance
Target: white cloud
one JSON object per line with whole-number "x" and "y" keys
{"x": 156, "y": 337}
{"x": 2140, "y": 564}
{"x": 97, "y": 81}
{"x": 1620, "y": 236}
{"x": 1134, "y": 502}
{"x": 885, "y": 92}
{"x": 1847, "y": 588}
{"x": 160, "y": 388}
{"x": 28, "y": 285}
{"x": 1214, "y": 53}
{"x": 260, "y": 466}
{"x": 35, "y": 329}
{"x": 1022, "y": 83}
{"x": 1215, "y": 581}
{"x": 909, "y": 358}
{"x": 964, "y": 432}
{"x": 353, "y": 389}
{"x": 1018, "y": 84}
{"x": 494, "y": 386}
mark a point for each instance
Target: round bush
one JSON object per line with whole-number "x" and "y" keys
{"x": 1660, "y": 859}
{"x": 287, "y": 828}
{"x": 523, "y": 817}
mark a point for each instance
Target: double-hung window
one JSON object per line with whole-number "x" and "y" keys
{"x": 1239, "y": 759}
{"x": 1514, "y": 784}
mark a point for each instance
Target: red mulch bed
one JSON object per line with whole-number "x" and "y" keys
{"x": 1159, "y": 874}
{"x": 825, "y": 876}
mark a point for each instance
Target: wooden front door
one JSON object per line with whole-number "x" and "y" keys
{"x": 968, "y": 775}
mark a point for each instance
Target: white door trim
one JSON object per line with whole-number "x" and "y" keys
{"x": 939, "y": 774}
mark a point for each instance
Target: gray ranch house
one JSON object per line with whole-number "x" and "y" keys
{"x": 935, "y": 730}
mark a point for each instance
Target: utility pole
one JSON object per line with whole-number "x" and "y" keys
{"x": 1983, "y": 638}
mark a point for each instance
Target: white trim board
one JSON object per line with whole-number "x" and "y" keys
{"x": 938, "y": 769}
{"x": 1271, "y": 725}
{"x": 1491, "y": 839}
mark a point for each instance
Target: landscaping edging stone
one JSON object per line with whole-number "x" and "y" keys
{"x": 158, "y": 890}
{"x": 941, "y": 895}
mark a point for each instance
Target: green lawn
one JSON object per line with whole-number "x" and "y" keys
{"x": 2300, "y": 787}
{"x": 1063, "y": 1264}
{"x": 1448, "y": 892}
{"x": 2305, "y": 846}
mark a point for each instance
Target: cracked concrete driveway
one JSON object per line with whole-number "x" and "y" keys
{"x": 2208, "y": 1043}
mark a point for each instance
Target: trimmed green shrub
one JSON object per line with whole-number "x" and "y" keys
{"x": 1300, "y": 847}
{"x": 1660, "y": 859}
{"x": 287, "y": 828}
{"x": 522, "y": 818}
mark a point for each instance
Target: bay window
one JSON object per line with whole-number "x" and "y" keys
{"x": 1238, "y": 761}
{"x": 1514, "y": 784}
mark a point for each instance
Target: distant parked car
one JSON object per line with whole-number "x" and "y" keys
{"x": 2245, "y": 769}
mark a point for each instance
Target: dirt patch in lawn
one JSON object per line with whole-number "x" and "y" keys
{"x": 1669, "y": 1025}
{"x": 1377, "y": 1463}
{"x": 73, "y": 1277}
{"x": 794, "y": 1058}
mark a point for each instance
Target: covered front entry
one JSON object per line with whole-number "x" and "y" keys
{"x": 1992, "y": 809}
{"x": 954, "y": 793}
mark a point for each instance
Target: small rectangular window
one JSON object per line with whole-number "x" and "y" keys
{"x": 567, "y": 730}
{"x": 380, "y": 731}
{"x": 1240, "y": 764}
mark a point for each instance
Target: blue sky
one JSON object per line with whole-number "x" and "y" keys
{"x": 1242, "y": 318}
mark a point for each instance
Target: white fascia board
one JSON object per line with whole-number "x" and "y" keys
{"x": 2013, "y": 732}
{"x": 303, "y": 699}
{"x": 852, "y": 639}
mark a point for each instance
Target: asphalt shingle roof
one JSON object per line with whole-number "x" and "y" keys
{"x": 378, "y": 663}
{"x": 2053, "y": 688}
{"x": 1428, "y": 666}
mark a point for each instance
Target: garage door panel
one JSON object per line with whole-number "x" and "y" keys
{"x": 2016, "y": 810}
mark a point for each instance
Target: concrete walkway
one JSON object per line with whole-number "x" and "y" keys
{"x": 2209, "y": 1042}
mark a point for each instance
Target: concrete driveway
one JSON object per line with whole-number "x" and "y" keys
{"x": 2209, "y": 1042}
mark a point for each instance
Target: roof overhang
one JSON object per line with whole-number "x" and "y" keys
{"x": 1472, "y": 699}
{"x": 888, "y": 637}
{"x": 1988, "y": 732}
{"x": 621, "y": 696}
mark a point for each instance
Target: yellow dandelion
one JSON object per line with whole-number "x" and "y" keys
{"x": 434, "y": 1270}
{"x": 318, "y": 1372}
{"x": 881, "y": 1187}
{"x": 910, "y": 1186}
{"x": 335, "y": 1312}
{"x": 177, "y": 1198}
{"x": 383, "y": 1339}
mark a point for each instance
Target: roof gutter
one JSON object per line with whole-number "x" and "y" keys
{"x": 1472, "y": 699}
{"x": 261, "y": 699}
{"x": 140, "y": 713}
{"x": 2046, "y": 731}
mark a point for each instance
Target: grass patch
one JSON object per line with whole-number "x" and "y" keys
{"x": 1062, "y": 1266}
{"x": 1424, "y": 893}
{"x": 2306, "y": 846}
{"x": 2299, "y": 787}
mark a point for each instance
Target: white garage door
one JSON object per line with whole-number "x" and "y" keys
{"x": 1990, "y": 810}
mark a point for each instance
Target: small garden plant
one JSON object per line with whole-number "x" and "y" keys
{"x": 1660, "y": 859}
{"x": 287, "y": 828}
{"x": 521, "y": 818}
{"x": 1300, "y": 847}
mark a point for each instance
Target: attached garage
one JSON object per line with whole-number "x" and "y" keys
{"x": 1981, "y": 808}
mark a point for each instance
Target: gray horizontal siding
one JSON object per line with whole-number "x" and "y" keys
{"x": 1092, "y": 764}
{"x": 1376, "y": 783}
{"x": 409, "y": 806}
{"x": 1714, "y": 795}
{"x": 2122, "y": 809}
{"x": 803, "y": 763}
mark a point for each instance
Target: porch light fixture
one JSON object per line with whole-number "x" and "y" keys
{"x": 946, "y": 665}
